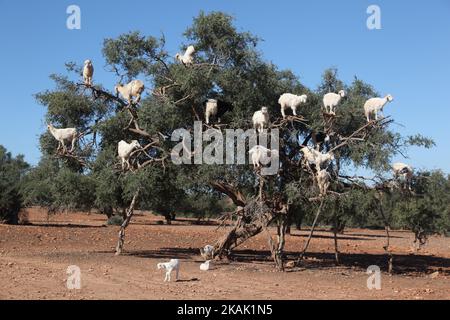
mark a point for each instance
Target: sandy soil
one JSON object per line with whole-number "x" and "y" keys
{"x": 34, "y": 260}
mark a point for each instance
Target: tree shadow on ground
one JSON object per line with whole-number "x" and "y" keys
{"x": 166, "y": 253}
{"x": 403, "y": 264}
{"x": 61, "y": 225}
{"x": 340, "y": 237}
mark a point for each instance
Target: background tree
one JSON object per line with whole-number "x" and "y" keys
{"x": 12, "y": 170}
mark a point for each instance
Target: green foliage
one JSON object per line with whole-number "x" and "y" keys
{"x": 428, "y": 212}
{"x": 227, "y": 66}
{"x": 115, "y": 220}
{"x": 12, "y": 171}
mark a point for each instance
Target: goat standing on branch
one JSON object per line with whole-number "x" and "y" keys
{"x": 289, "y": 100}
{"x": 216, "y": 108}
{"x": 88, "y": 73}
{"x": 317, "y": 158}
{"x": 261, "y": 155}
{"x": 124, "y": 150}
{"x": 260, "y": 119}
{"x": 331, "y": 100}
{"x": 375, "y": 105}
{"x": 403, "y": 172}
{"x": 323, "y": 181}
{"x": 63, "y": 135}
{"x": 187, "y": 58}
{"x": 130, "y": 90}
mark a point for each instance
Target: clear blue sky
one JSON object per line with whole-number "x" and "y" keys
{"x": 409, "y": 57}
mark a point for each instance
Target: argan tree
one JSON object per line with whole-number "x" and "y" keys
{"x": 227, "y": 66}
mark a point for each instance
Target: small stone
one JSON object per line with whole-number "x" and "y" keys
{"x": 434, "y": 275}
{"x": 290, "y": 264}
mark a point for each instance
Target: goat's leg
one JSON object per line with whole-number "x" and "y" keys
{"x": 138, "y": 98}
{"x": 282, "y": 112}
{"x": 294, "y": 111}
{"x": 74, "y": 140}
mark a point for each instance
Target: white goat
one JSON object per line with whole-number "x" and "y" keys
{"x": 289, "y": 100}
{"x": 323, "y": 181}
{"x": 216, "y": 108}
{"x": 331, "y": 100}
{"x": 207, "y": 252}
{"x": 261, "y": 155}
{"x": 205, "y": 266}
{"x": 88, "y": 72}
{"x": 261, "y": 119}
{"x": 317, "y": 158}
{"x": 375, "y": 105}
{"x": 63, "y": 135}
{"x": 173, "y": 264}
{"x": 188, "y": 57}
{"x": 404, "y": 172}
{"x": 133, "y": 89}
{"x": 124, "y": 150}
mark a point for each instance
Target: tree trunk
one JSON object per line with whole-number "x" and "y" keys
{"x": 298, "y": 222}
{"x": 335, "y": 232}
{"x": 386, "y": 247}
{"x": 319, "y": 210}
{"x": 168, "y": 218}
{"x": 336, "y": 227}
{"x": 255, "y": 217}
{"x": 282, "y": 226}
{"x": 126, "y": 222}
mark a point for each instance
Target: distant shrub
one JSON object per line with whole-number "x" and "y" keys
{"x": 115, "y": 220}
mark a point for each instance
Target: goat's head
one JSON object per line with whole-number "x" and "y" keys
{"x": 135, "y": 144}
{"x": 160, "y": 265}
{"x": 117, "y": 87}
{"x": 341, "y": 93}
{"x": 87, "y": 62}
{"x": 50, "y": 126}
{"x": 303, "y": 98}
{"x": 264, "y": 110}
{"x": 389, "y": 98}
{"x": 331, "y": 156}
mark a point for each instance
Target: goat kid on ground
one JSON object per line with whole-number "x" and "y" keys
{"x": 207, "y": 252}
{"x": 173, "y": 264}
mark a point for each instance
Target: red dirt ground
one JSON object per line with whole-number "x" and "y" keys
{"x": 34, "y": 259}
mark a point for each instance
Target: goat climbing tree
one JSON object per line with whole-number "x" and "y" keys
{"x": 228, "y": 66}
